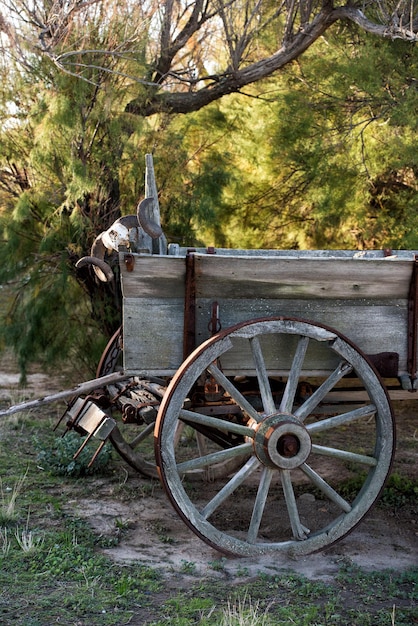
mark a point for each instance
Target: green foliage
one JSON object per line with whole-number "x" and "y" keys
{"x": 349, "y": 171}
{"x": 322, "y": 155}
{"x": 400, "y": 490}
{"x": 57, "y": 457}
{"x": 88, "y": 587}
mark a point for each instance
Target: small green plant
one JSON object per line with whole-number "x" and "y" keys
{"x": 28, "y": 540}
{"x": 399, "y": 491}
{"x": 188, "y": 567}
{"x": 90, "y": 583}
{"x": 162, "y": 531}
{"x": 58, "y": 458}
{"x": 218, "y": 565}
{"x": 243, "y": 571}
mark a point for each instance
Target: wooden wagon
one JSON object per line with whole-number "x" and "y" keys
{"x": 263, "y": 373}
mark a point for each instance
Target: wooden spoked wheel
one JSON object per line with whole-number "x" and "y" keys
{"x": 132, "y": 442}
{"x": 306, "y": 477}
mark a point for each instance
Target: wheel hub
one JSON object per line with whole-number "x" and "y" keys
{"x": 282, "y": 442}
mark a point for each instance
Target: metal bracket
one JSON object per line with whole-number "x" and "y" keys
{"x": 413, "y": 325}
{"x": 189, "y": 328}
{"x": 86, "y": 417}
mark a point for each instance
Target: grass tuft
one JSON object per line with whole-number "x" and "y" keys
{"x": 244, "y": 612}
{"x": 4, "y": 542}
{"x": 28, "y": 541}
{"x": 8, "y": 498}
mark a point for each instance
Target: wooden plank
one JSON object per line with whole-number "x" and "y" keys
{"x": 338, "y": 396}
{"x": 153, "y": 276}
{"x": 406, "y": 255}
{"x": 153, "y": 335}
{"x": 327, "y": 278}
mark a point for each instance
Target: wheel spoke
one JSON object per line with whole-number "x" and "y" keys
{"x": 142, "y": 435}
{"x": 321, "y": 484}
{"x": 191, "y": 417}
{"x": 259, "y": 505}
{"x": 299, "y": 531}
{"x": 344, "y": 418}
{"x": 288, "y": 398}
{"x": 312, "y": 402}
{"x": 233, "y": 392}
{"x": 245, "y": 471}
{"x": 263, "y": 381}
{"x": 345, "y": 455}
{"x": 214, "y": 457}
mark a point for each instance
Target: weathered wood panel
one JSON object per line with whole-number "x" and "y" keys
{"x": 153, "y": 313}
{"x": 373, "y": 326}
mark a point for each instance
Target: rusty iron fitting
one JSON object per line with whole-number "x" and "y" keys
{"x": 213, "y": 392}
{"x": 129, "y": 261}
{"x": 130, "y": 414}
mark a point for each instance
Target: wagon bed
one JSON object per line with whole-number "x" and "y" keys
{"x": 368, "y": 296}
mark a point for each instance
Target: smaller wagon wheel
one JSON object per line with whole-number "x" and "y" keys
{"x": 134, "y": 442}
{"x": 306, "y": 478}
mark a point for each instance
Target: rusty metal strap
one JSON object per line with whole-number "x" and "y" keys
{"x": 413, "y": 322}
{"x": 189, "y": 328}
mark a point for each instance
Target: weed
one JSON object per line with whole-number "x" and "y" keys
{"x": 162, "y": 531}
{"x": 399, "y": 491}
{"x": 121, "y": 524}
{"x": 188, "y": 567}
{"x": 90, "y": 583}
{"x": 28, "y": 540}
{"x": 218, "y": 565}
{"x": 242, "y": 571}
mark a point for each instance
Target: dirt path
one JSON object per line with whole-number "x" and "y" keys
{"x": 153, "y": 533}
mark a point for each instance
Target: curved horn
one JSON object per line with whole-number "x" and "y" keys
{"x": 129, "y": 221}
{"x": 152, "y": 229}
{"x": 98, "y": 249}
{"x": 102, "y": 269}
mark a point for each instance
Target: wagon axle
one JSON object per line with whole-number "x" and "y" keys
{"x": 281, "y": 441}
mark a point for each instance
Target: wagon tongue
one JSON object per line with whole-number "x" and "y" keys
{"x": 87, "y": 418}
